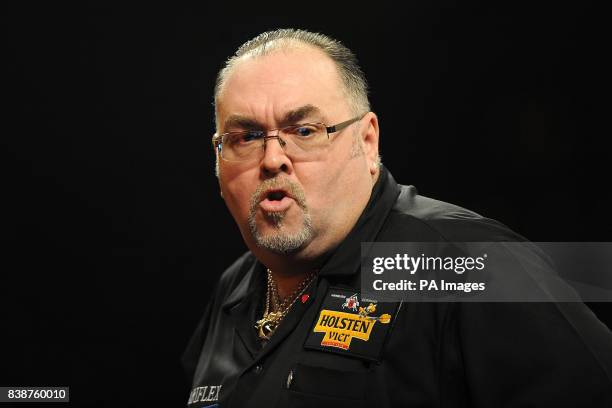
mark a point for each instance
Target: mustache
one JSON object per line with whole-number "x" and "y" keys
{"x": 279, "y": 183}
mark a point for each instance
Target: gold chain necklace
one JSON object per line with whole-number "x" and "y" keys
{"x": 271, "y": 319}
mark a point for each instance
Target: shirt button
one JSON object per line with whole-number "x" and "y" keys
{"x": 258, "y": 369}
{"x": 289, "y": 379}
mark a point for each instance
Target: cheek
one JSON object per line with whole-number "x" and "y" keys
{"x": 320, "y": 186}
{"x": 331, "y": 187}
{"x": 237, "y": 192}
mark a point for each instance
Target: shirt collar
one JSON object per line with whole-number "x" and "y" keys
{"x": 346, "y": 258}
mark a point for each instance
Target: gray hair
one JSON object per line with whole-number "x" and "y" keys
{"x": 355, "y": 84}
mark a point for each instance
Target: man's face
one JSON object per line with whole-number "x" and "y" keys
{"x": 283, "y": 204}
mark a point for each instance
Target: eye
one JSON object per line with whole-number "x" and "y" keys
{"x": 304, "y": 131}
{"x": 243, "y": 138}
{"x": 251, "y": 135}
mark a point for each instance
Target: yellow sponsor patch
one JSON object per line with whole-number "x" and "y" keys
{"x": 340, "y": 328}
{"x": 345, "y": 316}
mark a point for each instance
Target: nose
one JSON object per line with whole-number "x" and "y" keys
{"x": 277, "y": 137}
{"x": 275, "y": 159}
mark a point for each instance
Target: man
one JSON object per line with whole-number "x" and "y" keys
{"x": 298, "y": 167}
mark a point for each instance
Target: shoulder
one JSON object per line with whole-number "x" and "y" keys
{"x": 434, "y": 218}
{"x": 225, "y": 288}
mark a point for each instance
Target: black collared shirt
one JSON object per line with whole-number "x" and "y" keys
{"x": 421, "y": 355}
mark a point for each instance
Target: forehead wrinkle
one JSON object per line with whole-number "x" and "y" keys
{"x": 291, "y": 117}
{"x": 329, "y": 68}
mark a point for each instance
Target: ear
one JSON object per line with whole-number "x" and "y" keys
{"x": 220, "y": 189}
{"x": 217, "y": 174}
{"x": 221, "y": 192}
{"x": 369, "y": 136}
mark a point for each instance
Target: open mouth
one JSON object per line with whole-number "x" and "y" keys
{"x": 276, "y": 200}
{"x": 276, "y": 195}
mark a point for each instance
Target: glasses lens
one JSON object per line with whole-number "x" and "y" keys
{"x": 304, "y": 138}
{"x": 241, "y": 145}
{"x": 303, "y": 141}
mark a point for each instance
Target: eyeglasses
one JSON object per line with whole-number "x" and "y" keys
{"x": 300, "y": 141}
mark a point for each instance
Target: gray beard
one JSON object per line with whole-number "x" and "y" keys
{"x": 281, "y": 242}
{"x": 278, "y": 241}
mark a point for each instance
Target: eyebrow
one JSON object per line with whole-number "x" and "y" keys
{"x": 291, "y": 117}
{"x": 243, "y": 122}
{"x": 296, "y": 115}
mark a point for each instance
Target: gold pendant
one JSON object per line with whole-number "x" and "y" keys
{"x": 266, "y": 326}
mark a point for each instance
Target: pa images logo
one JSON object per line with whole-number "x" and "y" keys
{"x": 341, "y": 327}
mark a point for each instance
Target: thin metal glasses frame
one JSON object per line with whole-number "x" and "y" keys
{"x": 217, "y": 140}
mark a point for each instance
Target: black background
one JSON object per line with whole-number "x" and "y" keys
{"x": 114, "y": 232}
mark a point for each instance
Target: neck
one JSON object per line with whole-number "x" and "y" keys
{"x": 286, "y": 284}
